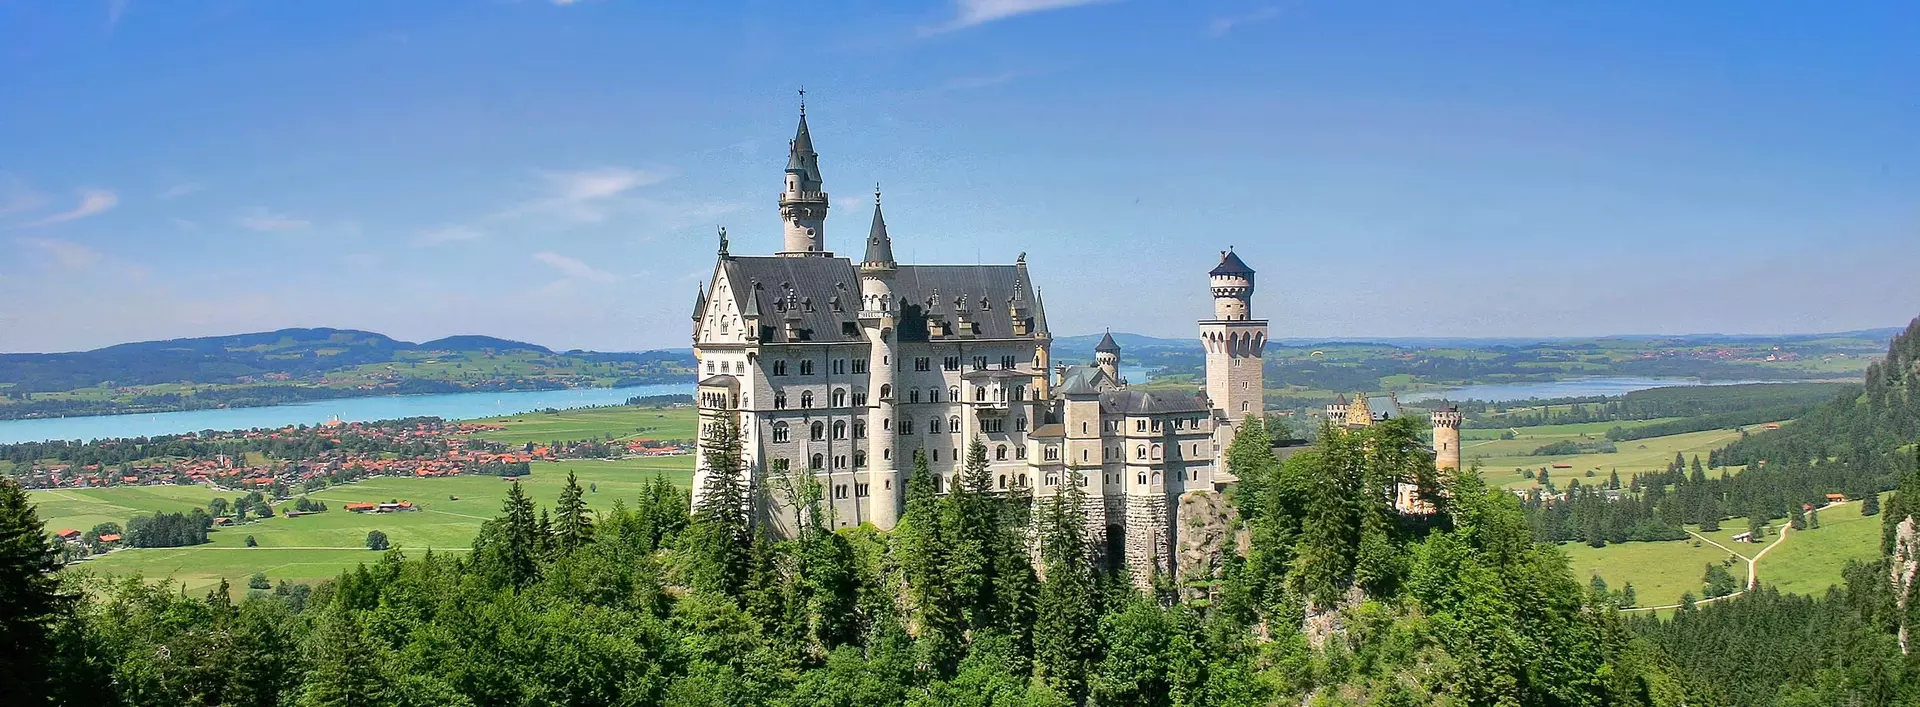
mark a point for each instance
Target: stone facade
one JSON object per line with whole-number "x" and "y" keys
{"x": 844, "y": 369}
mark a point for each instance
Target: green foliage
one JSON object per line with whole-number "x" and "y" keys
{"x": 30, "y": 598}
{"x": 376, "y": 540}
{"x": 716, "y": 545}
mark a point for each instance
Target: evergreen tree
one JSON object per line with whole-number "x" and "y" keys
{"x": 920, "y": 549}
{"x": 1064, "y": 635}
{"x": 30, "y": 597}
{"x": 718, "y": 543}
{"x": 1870, "y": 505}
{"x": 575, "y": 528}
{"x": 345, "y": 668}
{"x": 1250, "y": 459}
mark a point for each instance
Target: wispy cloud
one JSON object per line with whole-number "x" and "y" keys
{"x": 264, "y": 221}
{"x": 973, "y": 13}
{"x": 67, "y": 255}
{"x": 1220, "y": 26}
{"x": 445, "y": 234}
{"x": 179, "y": 190}
{"x": 573, "y": 267}
{"x": 92, "y": 201}
{"x": 584, "y": 196}
{"x": 968, "y": 83}
{"x": 116, "y": 9}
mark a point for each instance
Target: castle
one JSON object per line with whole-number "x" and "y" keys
{"x": 844, "y": 369}
{"x": 1365, "y": 410}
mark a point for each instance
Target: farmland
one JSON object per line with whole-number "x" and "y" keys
{"x": 315, "y": 547}
{"x": 1504, "y": 461}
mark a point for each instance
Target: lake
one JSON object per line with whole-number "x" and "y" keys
{"x": 452, "y": 406}
{"x": 1569, "y": 388}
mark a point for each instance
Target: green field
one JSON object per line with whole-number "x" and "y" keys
{"x": 1807, "y": 562}
{"x": 321, "y": 546}
{"x": 1502, "y": 461}
{"x": 608, "y": 423}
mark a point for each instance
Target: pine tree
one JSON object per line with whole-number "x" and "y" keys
{"x": 1065, "y": 632}
{"x": 1250, "y": 458}
{"x": 575, "y": 528}
{"x": 920, "y": 551}
{"x": 345, "y": 665}
{"x": 30, "y": 597}
{"x": 1870, "y": 506}
{"x": 718, "y": 543}
{"x": 519, "y": 547}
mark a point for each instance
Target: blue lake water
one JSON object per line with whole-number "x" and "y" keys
{"x": 1569, "y": 388}
{"x": 452, "y": 406}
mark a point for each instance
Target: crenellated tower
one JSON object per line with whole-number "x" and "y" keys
{"x": 1234, "y": 341}
{"x": 1446, "y": 436}
{"x": 1106, "y": 355}
{"x": 803, "y": 205}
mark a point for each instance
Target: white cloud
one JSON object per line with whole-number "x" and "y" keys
{"x": 972, "y": 13}
{"x": 179, "y": 190}
{"x": 1222, "y": 25}
{"x": 572, "y": 267}
{"x": 92, "y": 201}
{"x": 264, "y": 221}
{"x": 67, "y": 255}
{"x": 584, "y": 196}
{"x": 445, "y": 234}
{"x": 965, "y": 83}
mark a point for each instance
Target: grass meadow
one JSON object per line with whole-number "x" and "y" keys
{"x": 609, "y": 423}
{"x": 1503, "y": 461}
{"x": 320, "y": 546}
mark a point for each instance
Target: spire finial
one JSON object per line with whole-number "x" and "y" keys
{"x": 803, "y": 101}
{"x": 876, "y": 193}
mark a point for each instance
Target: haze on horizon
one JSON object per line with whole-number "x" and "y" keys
{"x": 553, "y": 171}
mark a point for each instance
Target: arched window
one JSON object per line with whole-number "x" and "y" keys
{"x": 1156, "y": 451}
{"x": 818, "y": 461}
{"x": 953, "y": 393}
{"x": 1003, "y": 482}
{"x": 886, "y": 454}
{"x": 1019, "y": 424}
{"x": 780, "y": 432}
{"x": 779, "y": 368}
{"x": 806, "y": 399}
{"x": 859, "y": 429}
{"x": 1000, "y": 453}
{"x": 979, "y": 394}
{"x": 839, "y": 429}
{"x": 886, "y": 392}
{"x": 1143, "y": 479}
{"x": 839, "y": 397}
{"x": 936, "y": 483}
{"x": 819, "y": 431}
{"x": 1142, "y": 452}
{"x": 1083, "y": 455}
{"x": 859, "y": 459}
{"x": 906, "y": 425}
{"x": 933, "y": 395}
{"x": 1023, "y": 481}
{"x": 933, "y": 427}
{"x": 953, "y": 424}
{"x": 1083, "y": 428}
{"x": 779, "y": 401}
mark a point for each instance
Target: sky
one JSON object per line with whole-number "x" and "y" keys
{"x": 555, "y": 171}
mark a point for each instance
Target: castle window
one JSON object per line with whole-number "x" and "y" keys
{"x": 1003, "y": 482}
{"x": 839, "y": 429}
{"x": 953, "y": 424}
{"x": 1156, "y": 451}
{"x": 839, "y": 366}
{"x": 906, "y": 425}
{"x": 933, "y": 395}
{"x": 1019, "y": 393}
{"x": 1053, "y": 479}
{"x": 709, "y": 367}
{"x": 1019, "y": 424}
{"x": 913, "y": 396}
{"x": 780, "y": 401}
{"x": 936, "y": 452}
{"x": 1083, "y": 428}
{"x": 886, "y": 392}
{"x": 839, "y": 490}
{"x": 1243, "y": 407}
{"x": 1139, "y": 425}
{"x": 1051, "y": 453}
{"x": 936, "y": 483}
{"x": 859, "y": 429}
{"x": 991, "y": 425}
{"x": 979, "y": 363}
{"x": 1000, "y": 453}
{"x": 839, "y": 397}
{"x": 819, "y": 431}
{"x": 806, "y": 399}
{"x": 1142, "y": 452}
{"x": 1020, "y": 452}
{"x": 860, "y": 490}
{"x": 953, "y": 393}
{"x": 806, "y": 368}
{"x": 840, "y": 461}
{"x": 859, "y": 459}
{"x": 887, "y": 454}
{"x": 1156, "y": 425}
{"x": 1023, "y": 481}
{"x": 923, "y": 364}
{"x": 1007, "y": 362}
{"x": 818, "y": 462}
{"x": 860, "y": 399}
{"x": 859, "y": 365}
{"x": 780, "y": 432}
{"x": 951, "y": 363}
{"x": 1143, "y": 479}
{"x": 979, "y": 394}
{"x": 779, "y": 368}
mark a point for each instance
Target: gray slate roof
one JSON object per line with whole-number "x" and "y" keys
{"x": 914, "y": 287}
{"x": 1107, "y": 344}
{"x": 814, "y": 280}
{"x": 1231, "y": 264}
{"x": 1139, "y": 402}
{"x": 879, "y": 245}
{"x": 802, "y": 158}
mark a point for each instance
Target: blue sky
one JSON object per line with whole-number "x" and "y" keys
{"x": 554, "y": 171}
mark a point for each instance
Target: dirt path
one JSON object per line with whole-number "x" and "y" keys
{"x": 1753, "y": 563}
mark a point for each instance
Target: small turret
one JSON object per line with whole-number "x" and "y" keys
{"x": 1106, "y": 355}
{"x": 1446, "y": 436}
{"x": 1232, "y": 288}
{"x": 803, "y": 203}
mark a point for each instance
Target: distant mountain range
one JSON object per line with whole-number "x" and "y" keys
{"x": 292, "y": 353}
{"x": 1074, "y": 345}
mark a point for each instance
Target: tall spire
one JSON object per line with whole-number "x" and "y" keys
{"x": 800, "y": 154}
{"x": 879, "y": 244}
{"x": 803, "y": 201}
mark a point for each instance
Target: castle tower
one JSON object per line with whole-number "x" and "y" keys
{"x": 1446, "y": 436}
{"x": 1337, "y": 410}
{"x": 1106, "y": 355}
{"x": 877, "y": 321}
{"x": 1234, "y": 342}
{"x": 803, "y": 205}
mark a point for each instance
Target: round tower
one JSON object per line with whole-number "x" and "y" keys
{"x": 1446, "y": 436}
{"x": 803, "y": 203}
{"x": 1232, "y": 288}
{"x": 877, "y": 320}
{"x": 1106, "y": 355}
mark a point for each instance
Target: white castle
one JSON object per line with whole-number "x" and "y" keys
{"x": 844, "y": 369}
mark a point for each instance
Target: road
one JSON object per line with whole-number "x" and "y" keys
{"x": 1753, "y": 563}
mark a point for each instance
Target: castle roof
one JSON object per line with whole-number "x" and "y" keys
{"x": 761, "y": 284}
{"x": 1339, "y": 398}
{"x": 986, "y": 289}
{"x": 1230, "y": 263}
{"x": 1093, "y": 378}
{"x": 879, "y": 245}
{"x": 700, "y": 304}
{"x": 1128, "y": 401}
{"x": 801, "y": 157}
{"x": 1107, "y": 344}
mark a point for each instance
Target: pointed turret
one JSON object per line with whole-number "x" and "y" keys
{"x": 700, "y": 304}
{"x": 1107, "y": 344}
{"x": 800, "y": 155}
{"x": 879, "y": 244}
{"x": 803, "y": 203}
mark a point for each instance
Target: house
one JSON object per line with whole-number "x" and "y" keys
{"x": 110, "y": 538}
{"x": 361, "y": 507}
{"x": 1836, "y": 497}
{"x": 1743, "y": 538}
{"x": 69, "y": 535}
